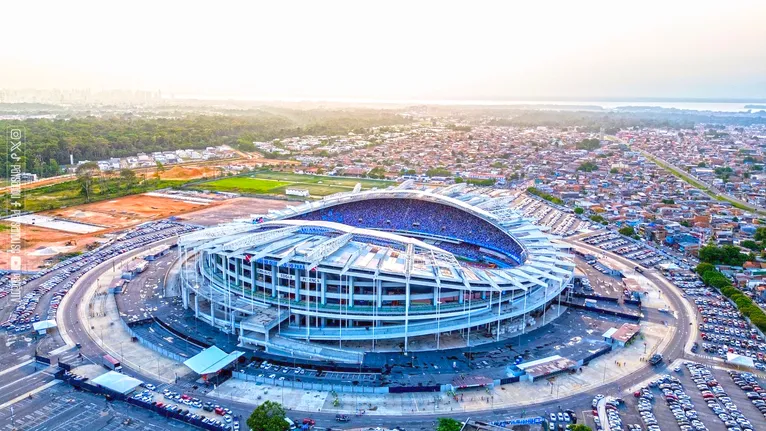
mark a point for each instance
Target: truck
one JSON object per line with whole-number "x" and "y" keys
{"x": 111, "y": 363}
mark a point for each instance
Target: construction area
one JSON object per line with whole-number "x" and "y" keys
{"x": 50, "y": 235}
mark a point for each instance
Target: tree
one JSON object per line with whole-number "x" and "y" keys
{"x": 588, "y": 144}
{"x": 269, "y": 416}
{"x": 439, "y": 171}
{"x": 752, "y": 245}
{"x": 614, "y": 171}
{"x": 85, "y": 173}
{"x": 578, "y": 427}
{"x": 587, "y": 167}
{"x": 548, "y": 197}
{"x": 127, "y": 176}
{"x": 704, "y": 267}
{"x": 377, "y": 172}
{"x": 448, "y": 424}
{"x": 627, "y": 231}
{"x": 726, "y": 255}
{"x": 53, "y": 168}
{"x": 579, "y": 210}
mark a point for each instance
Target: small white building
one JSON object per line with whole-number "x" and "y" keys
{"x": 297, "y": 192}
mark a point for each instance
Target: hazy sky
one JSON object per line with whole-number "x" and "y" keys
{"x": 390, "y": 49}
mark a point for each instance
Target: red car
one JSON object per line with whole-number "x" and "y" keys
{"x": 309, "y": 421}
{"x": 219, "y": 411}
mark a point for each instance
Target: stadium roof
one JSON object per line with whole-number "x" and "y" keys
{"x": 117, "y": 382}
{"x": 211, "y": 360}
{"x": 307, "y": 244}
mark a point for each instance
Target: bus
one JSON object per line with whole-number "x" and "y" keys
{"x": 111, "y": 363}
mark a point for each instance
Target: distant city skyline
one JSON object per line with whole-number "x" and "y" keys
{"x": 394, "y": 50}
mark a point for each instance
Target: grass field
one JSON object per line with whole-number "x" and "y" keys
{"x": 69, "y": 194}
{"x": 275, "y": 183}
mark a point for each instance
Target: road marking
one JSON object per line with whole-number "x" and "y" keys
{"x": 61, "y": 349}
{"x": 32, "y": 392}
{"x": 16, "y": 367}
{"x": 22, "y": 379}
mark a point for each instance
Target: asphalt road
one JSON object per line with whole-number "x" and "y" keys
{"x": 684, "y": 324}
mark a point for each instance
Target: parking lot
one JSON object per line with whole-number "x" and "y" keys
{"x": 186, "y": 408}
{"x": 45, "y": 289}
{"x": 629, "y": 248}
{"x": 60, "y": 408}
{"x": 722, "y": 327}
{"x": 561, "y": 221}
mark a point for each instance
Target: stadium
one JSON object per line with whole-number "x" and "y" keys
{"x": 376, "y": 268}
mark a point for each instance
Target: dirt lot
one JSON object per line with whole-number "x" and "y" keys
{"x": 126, "y": 211}
{"x": 189, "y": 172}
{"x": 39, "y": 244}
{"x": 232, "y": 209}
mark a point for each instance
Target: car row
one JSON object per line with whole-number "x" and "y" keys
{"x": 180, "y": 412}
{"x": 717, "y": 399}
{"x": 628, "y": 248}
{"x": 601, "y": 238}
{"x": 722, "y": 327}
{"x": 646, "y": 411}
{"x": 66, "y": 272}
{"x": 679, "y": 403}
{"x": 559, "y": 220}
{"x": 752, "y": 388}
{"x": 612, "y": 418}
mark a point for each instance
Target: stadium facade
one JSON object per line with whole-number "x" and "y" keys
{"x": 377, "y": 265}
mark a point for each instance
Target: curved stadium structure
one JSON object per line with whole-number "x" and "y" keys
{"x": 378, "y": 265}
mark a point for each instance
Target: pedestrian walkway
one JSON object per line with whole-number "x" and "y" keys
{"x": 105, "y": 326}
{"x": 603, "y": 371}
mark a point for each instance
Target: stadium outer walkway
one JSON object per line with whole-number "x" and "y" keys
{"x": 102, "y": 324}
{"x": 600, "y": 372}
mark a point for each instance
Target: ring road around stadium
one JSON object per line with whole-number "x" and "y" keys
{"x": 370, "y": 266}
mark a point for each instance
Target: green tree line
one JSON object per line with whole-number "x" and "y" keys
{"x": 548, "y": 197}
{"x": 50, "y": 142}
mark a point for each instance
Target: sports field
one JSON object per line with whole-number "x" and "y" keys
{"x": 275, "y": 183}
